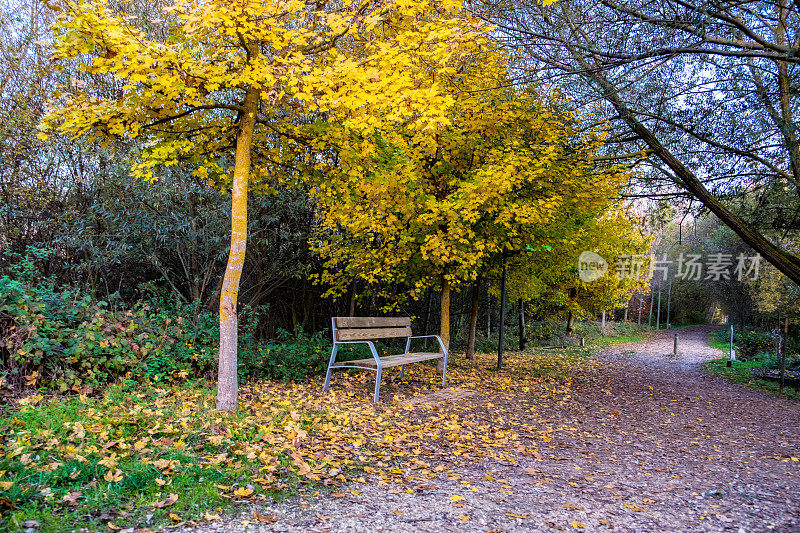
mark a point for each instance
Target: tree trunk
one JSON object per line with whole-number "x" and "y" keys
{"x": 488, "y": 313}
{"x": 570, "y": 322}
{"x": 640, "y": 310}
{"x": 444, "y": 324}
{"x": 428, "y": 299}
{"x": 351, "y": 310}
{"x": 473, "y": 319}
{"x": 523, "y": 338}
{"x": 227, "y": 379}
{"x": 658, "y": 312}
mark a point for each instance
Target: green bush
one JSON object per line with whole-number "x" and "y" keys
{"x": 752, "y": 344}
{"x": 60, "y": 340}
{"x": 290, "y": 357}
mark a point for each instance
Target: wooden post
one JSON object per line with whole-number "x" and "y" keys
{"x": 603, "y": 324}
{"x": 782, "y": 351}
{"x": 675, "y": 346}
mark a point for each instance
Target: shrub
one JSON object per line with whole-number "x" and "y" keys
{"x": 63, "y": 341}
{"x": 753, "y": 344}
{"x": 290, "y": 357}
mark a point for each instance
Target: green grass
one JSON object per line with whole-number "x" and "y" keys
{"x": 739, "y": 372}
{"x": 59, "y": 446}
{"x": 719, "y": 345}
{"x": 636, "y": 336}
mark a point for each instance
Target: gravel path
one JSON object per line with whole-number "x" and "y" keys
{"x": 647, "y": 442}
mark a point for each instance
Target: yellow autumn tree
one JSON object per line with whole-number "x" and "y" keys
{"x": 423, "y": 208}
{"x": 548, "y": 274}
{"x": 216, "y": 84}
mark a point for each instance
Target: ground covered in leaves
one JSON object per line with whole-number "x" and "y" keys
{"x": 631, "y": 439}
{"x": 638, "y": 440}
{"x": 146, "y": 458}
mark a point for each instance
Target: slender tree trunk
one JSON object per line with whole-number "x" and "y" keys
{"x": 523, "y": 338}
{"x": 650, "y": 314}
{"x": 473, "y": 319}
{"x": 640, "y": 310}
{"x": 444, "y": 324}
{"x": 488, "y": 313}
{"x": 428, "y": 299}
{"x": 227, "y": 379}
{"x": 570, "y": 322}
{"x": 669, "y": 302}
{"x": 658, "y": 313}
{"x": 351, "y": 310}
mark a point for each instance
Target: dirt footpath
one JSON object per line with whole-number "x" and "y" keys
{"x": 647, "y": 442}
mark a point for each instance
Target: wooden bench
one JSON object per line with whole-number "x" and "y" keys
{"x": 350, "y": 330}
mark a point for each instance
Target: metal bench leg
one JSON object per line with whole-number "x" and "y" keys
{"x": 444, "y": 373}
{"x": 377, "y": 384}
{"x": 330, "y": 368}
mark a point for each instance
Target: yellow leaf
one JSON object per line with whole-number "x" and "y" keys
{"x": 6, "y": 485}
{"x": 170, "y": 500}
{"x": 456, "y": 498}
{"x": 242, "y": 492}
{"x": 635, "y": 507}
{"x": 577, "y": 525}
{"x": 211, "y": 517}
{"x": 111, "y": 476}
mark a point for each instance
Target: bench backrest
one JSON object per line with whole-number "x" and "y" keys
{"x": 360, "y": 328}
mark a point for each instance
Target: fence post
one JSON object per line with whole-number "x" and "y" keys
{"x": 675, "y": 346}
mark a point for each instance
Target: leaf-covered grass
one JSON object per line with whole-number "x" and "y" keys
{"x": 151, "y": 456}
{"x": 740, "y": 372}
{"x": 635, "y": 336}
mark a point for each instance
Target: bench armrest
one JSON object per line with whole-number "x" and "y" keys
{"x": 437, "y": 337}
{"x": 369, "y": 343}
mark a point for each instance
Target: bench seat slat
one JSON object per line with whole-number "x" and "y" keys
{"x": 392, "y": 360}
{"x": 345, "y": 322}
{"x": 376, "y": 333}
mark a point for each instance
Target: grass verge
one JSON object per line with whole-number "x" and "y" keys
{"x": 740, "y": 372}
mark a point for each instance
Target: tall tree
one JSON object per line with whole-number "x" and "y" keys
{"x": 437, "y": 208}
{"x": 214, "y": 84}
{"x": 703, "y": 95}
